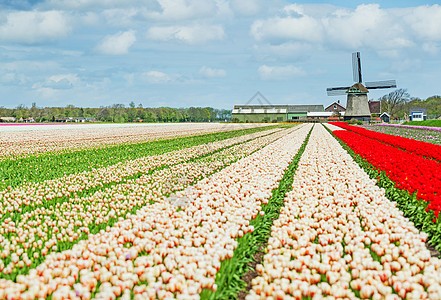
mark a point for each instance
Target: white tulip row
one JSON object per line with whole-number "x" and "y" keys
{"x": 66, "y": 222}
{"x": 332, "y": 127}
{"x": 35, "y": 194}
{"x": 162, "y": 251}
{"x": 90, "y": 136}
{"x": 338, "y": 236}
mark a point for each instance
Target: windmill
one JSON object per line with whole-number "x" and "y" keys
{"x": 357, "y": 106}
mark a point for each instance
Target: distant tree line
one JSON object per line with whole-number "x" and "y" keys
{"x": 118, "y": 113}
{"x": 398, "y": 103}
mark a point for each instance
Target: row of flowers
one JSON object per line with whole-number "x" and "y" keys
{"x": 338, "y": 235}
{"x": 419, "y": 134}
{"x": 19, "y": 144}
{"x": 55, "y": 165}
{"x": 57, "y": 225}
{"x": 164, "y": 250}
{"x": 27, "y": 197}
{"x": 411, "y": 126}
{"x": 409, "y": 171}
{"x": 234, "y": 274}
{"x": 418, "y": 147}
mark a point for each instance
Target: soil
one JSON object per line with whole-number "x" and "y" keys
{"x": 251, "y": 274}
{"x": 433, "y": 251}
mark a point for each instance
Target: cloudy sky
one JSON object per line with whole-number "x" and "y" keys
{"x": 218, "y": 53}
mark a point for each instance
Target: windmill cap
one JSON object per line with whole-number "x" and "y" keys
{"x": 357, "y": 88}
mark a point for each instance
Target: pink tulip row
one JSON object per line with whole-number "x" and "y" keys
{"x": 36, "y": 194}
{"x": 19, "y": 144}
{"x": 339, "y": 236}
{"x": 65, "y": 222}
{"x": 163, "y": 251}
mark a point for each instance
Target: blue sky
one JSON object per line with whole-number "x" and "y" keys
{"x": 218, "y": 53}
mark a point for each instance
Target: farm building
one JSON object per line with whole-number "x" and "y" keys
{"x": 385, "y": 117}
{"x": 7, "y": 119}
{"x": 273, "y": 113}
{"x": 418, "y": 114}
{"x": 335, "y": 107}
{"x": 374, "y": 107}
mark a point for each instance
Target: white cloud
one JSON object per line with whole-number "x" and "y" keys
{"x": 62, "y": 81}
{"x": 57, "y": 82}
{"x": 90, "y": 4}
{"x": 224, "y": 11}
{"x": 426, "y": 21}
{"x": 431, "y": 48}
{"x": 194, "y": 34}
{"x": 46, "y": 92}
{"x": 120, "y": 16}
{"x": 303, "y": 28}
{"x": 367, "y": 26}
{"x": 12, "y": 78}
{"x": 117, "y": 44}
{"x": 212, "y": 73}
{"x": 292, "y": 50}
{"x": 89, "y": 19}
{"x": 279, "y": 72}
{"x": 183, "y": 9}
{"x": 156, "y": 77}
{"x": 246, "y": 7}
{"x": 34, "y": 27}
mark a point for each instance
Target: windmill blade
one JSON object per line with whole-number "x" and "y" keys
{"x": 385, "y": 84}
{"x": 337, "y": 91}
{"x": 356, "y": 67}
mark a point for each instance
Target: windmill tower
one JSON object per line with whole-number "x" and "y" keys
{"x": 357, "y": 106}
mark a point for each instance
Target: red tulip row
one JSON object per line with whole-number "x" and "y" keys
{"x": 417, "y": 147}
{"x": 410, "y": 171}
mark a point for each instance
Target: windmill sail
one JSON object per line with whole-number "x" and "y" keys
{"x": 356, "y": 72}
{"x": 385, "y": 84}
{"x": 336, "y": 91}
{"x": 356, "y": 67}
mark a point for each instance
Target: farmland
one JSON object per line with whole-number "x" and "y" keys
{"x": 218, "y": 211}
{"x": 420, "y": 133}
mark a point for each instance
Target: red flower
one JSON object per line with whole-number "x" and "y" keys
{"x": 408, "y": 170}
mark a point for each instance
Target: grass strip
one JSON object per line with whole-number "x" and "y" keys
{"x": 413, "y": 208}
{"x": 230, "y": 277}
{"x": 431, "y": 123}
{"x": 50, "y": 166}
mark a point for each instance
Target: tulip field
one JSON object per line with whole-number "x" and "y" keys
{"x": 419, "y": 133}
{"x": 218, "y": 211}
